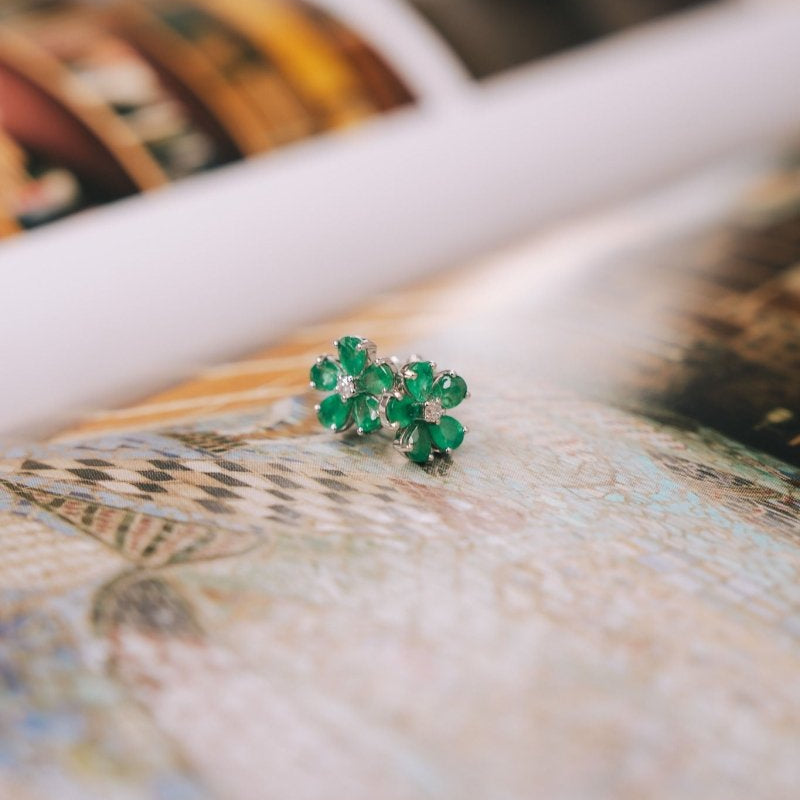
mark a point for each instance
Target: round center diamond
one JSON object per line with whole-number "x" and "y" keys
{"x": 432, "y": 410}
{"x": 346, "y": 386}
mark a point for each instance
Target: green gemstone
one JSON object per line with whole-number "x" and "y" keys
{"x": 447, "y": 434}
{"x": 450, "y": 389}
{"x": 365, "y": 411}
{"x": 415, "y": 442}
{"x": 335, "y": 413}
{"x": 403, "y": 411}
{"x": 351, "y": 358}
{"x": 325, "y": 374}
{"x": 420, "y": 384}
{"x": 377, "y": 378}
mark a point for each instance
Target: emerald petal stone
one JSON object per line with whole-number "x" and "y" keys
{"x": 325, "y": 374}
{"x": 351, "y": 358}
{"x": 365, "y": 411}
{"x": 377, "y": 378}
{"x": 415, "y": 442}
{"x": 335, "y": 413}
{"x": 420, "y": 384}
{"x": 447, "y": 434}
{"x": 403, "y": 411}
{"x": 450, "y": 389}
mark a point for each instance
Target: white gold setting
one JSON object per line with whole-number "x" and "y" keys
{"x": 386, "y": 398}
{"x": 371, "y": 349}
{"x": 418, "y": 415}
{"x": 346, "y": 386}
{"x": 349, "y": 386}
{"x": 407, "y": 448}
{"x": 432, "y": 411}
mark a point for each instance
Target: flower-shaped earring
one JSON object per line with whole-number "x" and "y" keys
{"x": 358, "y": 380}
{"x": 416, "y": 411}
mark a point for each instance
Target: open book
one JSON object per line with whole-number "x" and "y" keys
{"x": 397, "y": 162}
{"x": 206, "y": 594}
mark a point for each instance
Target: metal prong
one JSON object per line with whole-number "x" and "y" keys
{"x": 317, "y": 407}
{"x": 319, "y": 359}
{"x": 312, "y": 384}
{"x": 369, "y": 347}
{"x": 360, "y": 431}
{"x": 430, "y": 458}
{"x": 334, "y": 428}
{"x": 448, "y": 451}
{"x": 400, "y": 447}
{"x": 466, "y": 429}
{"x": 468, "y": 395}
{"x": 335, "y": 342}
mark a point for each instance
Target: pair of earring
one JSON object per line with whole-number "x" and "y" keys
{"x": 370, "y": 393}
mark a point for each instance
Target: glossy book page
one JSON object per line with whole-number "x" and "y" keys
{"x": 206, "y": 594}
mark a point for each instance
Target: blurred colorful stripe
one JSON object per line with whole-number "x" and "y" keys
{"x": 98, "y": 102}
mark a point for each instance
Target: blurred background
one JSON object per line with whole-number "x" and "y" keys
{"x": 103, "y": 100}
{"x": 184, "y": 180}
